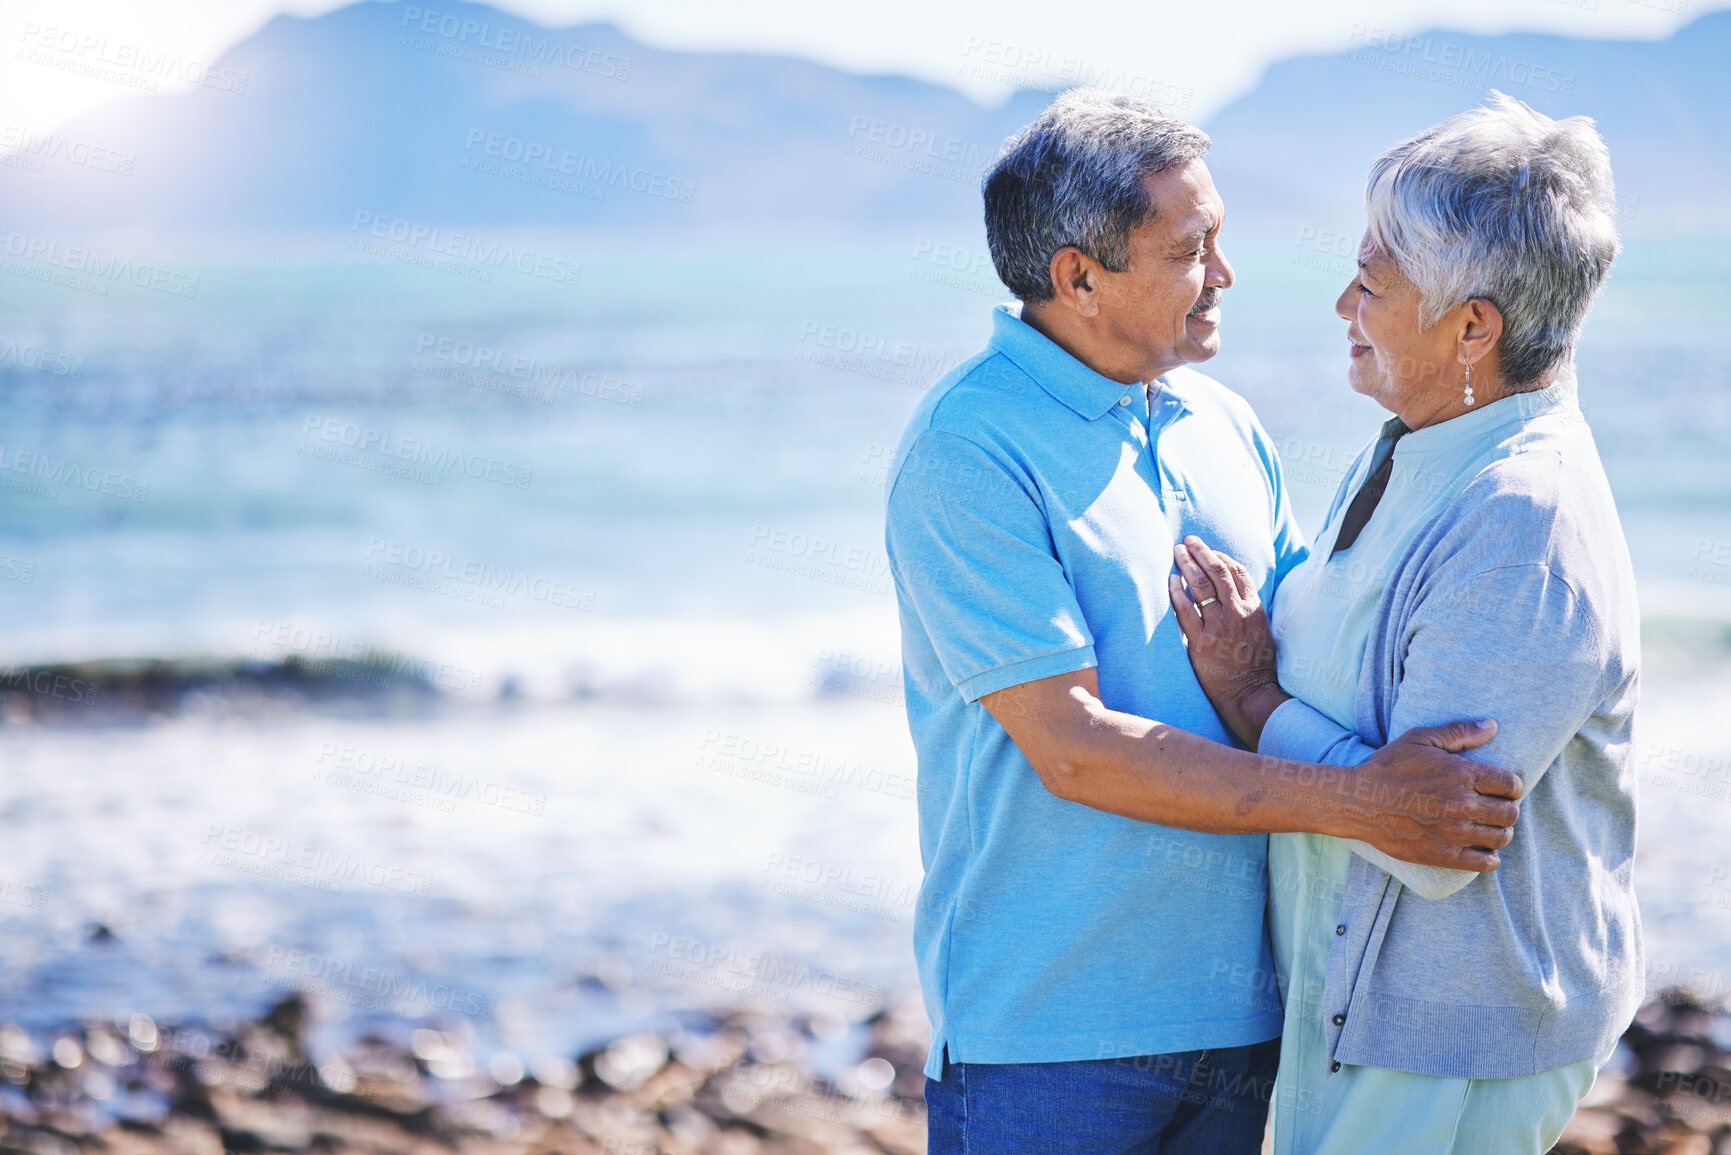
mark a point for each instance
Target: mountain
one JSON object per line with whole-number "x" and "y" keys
{"x": 471, "y": 116}
{"x": 466, "y": 115}
{"x": 1293, "y": 154}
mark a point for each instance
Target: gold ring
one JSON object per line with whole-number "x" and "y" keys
{"x": 1206, "y": 602}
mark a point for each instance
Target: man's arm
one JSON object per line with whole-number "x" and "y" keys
{"x": 1475, "y": 646}
{"x": 1471, "y": 647}
{"x": 974, "y": 563}
{"x": 1413, "y": 799}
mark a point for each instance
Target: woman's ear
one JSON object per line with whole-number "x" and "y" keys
{"x": 1482, "y": 328}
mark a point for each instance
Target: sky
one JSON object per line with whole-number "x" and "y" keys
{"x": 1192, "y": 57}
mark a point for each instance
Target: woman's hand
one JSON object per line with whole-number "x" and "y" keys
{"x": 1226, "y": 630}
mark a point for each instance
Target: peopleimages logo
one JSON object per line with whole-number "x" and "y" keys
{"x": 347, "y": 765}
{"x": 79, "y": 259}
{"x": 239, "y": 848}
{"x": 461, "y": 32}
{"x": 1451, "y": 63}
{"x": 418, "y": 450}
{"x": 1028, "y": 67}
{"x": 45, "y": 683}
{"x": 50, "y": 472}
{"x": 836, "y": 885}
{"x": 54, "y": 146}
{"x": 42, "y": 360}
{"x": 346, "y": 981}
{"x": 564, "y": 162}
{"x": 518, "y": 374}
{"x": 482, "y": 576}
{"x": 279, "y": 641}
{"x": 465, "y": 247}
{"x": 88, "y": 54}
{"x": 872, "y": 355}
{"x": 761, "y": 967}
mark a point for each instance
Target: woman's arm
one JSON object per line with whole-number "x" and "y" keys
{"x": 1232, "y": 651}
{"x": 1510, "y": 640}
{"x": 1515, "y": 639}
{"x": 1231, "y": 648}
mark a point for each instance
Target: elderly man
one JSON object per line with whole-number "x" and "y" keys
{"x": 1090, "y": 931}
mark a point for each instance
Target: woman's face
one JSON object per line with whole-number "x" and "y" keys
{"x": 1415, "y": 373}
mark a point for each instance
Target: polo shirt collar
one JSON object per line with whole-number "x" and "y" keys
{"x": 1086, "y": 392}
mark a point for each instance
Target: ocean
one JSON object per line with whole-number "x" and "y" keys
{"x": 590, "y": 579}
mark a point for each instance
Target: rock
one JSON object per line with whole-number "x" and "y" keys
{"x": 738, "y": 1084}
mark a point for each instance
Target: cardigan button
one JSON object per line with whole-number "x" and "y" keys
{"x": 1339, "y": 1020}
{"x": 1334, "y": 1066}
{"x": 1341, "y": 929}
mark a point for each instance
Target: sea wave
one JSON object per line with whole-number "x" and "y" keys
{"x": 648, "y": 662}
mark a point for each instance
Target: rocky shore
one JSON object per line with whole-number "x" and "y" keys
{"x": 738, "y": 1084}
{"x": 1667, "y": 1091}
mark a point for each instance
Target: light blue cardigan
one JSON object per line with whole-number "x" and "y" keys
{"x": 1517, "y": 602}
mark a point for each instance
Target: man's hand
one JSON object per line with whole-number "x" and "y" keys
{"x": 1423, "y": 804}
{"x": 1413, "y": 799}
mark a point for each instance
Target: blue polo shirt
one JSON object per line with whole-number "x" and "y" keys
{"x": 1032, "y": 510}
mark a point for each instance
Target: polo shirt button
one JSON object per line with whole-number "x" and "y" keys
{"x": 1339, "y": 1019}
{"x": 1334, "y": 1066}
{"x": 1341, "y": 929}
{"x": 1124, "y": 400}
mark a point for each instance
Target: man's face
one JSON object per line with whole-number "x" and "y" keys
{"x": 1166, "y": 302}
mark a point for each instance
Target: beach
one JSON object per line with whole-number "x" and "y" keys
{"x": 514, "y": 666}
{"x": 741, "y": 1083}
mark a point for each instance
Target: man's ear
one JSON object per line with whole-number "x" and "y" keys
{"x": 1076, "y": 281}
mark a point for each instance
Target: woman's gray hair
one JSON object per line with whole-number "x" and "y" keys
{"x": 1074, "y": 178}
{"x": 1506, "y": 204}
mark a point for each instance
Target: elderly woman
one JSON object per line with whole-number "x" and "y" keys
{"x": 1471, "y": 565}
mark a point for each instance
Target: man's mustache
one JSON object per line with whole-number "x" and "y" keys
{"x": 1209, "y": 299}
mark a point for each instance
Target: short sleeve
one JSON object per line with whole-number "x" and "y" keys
{"x": 974, "y": 564}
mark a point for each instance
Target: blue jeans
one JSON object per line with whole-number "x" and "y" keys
{"x": 1191, "y": 1103}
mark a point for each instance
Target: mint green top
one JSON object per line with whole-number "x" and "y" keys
{"x": 1323, "y": 616}
{"x": 1492, "y": 581}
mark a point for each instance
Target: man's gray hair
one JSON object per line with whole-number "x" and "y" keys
{"x": 1506, "y": 204}
{"x": 1074, "y": 178}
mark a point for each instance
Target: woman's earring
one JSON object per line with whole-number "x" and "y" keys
{"x": 1469, "y": 397}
